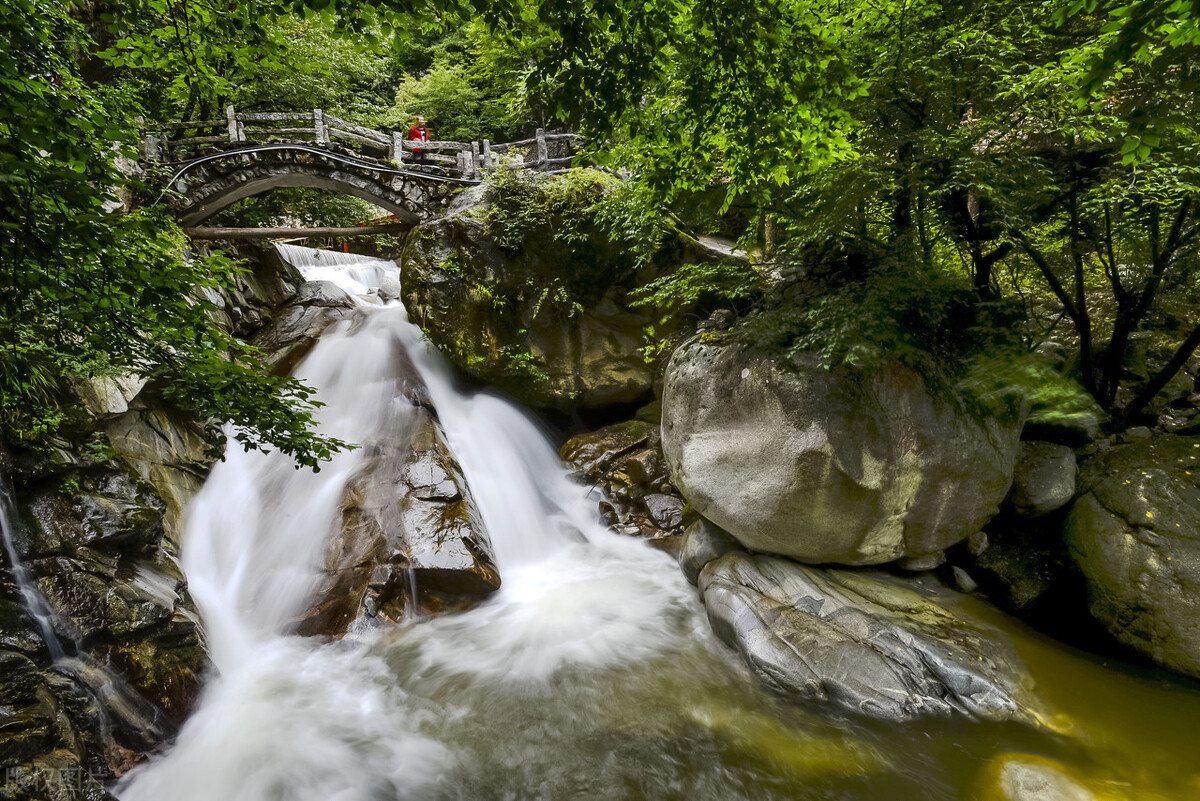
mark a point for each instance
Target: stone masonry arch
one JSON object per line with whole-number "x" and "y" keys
{"x": 204, "y": 186}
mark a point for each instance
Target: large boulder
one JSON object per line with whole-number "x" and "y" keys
{"x": 92, "y": 539}
{"x": 96, "y": 548}
{"x": 295, "y": 328}
{"x": 851, "y": 466}
{"x": 488, "y": 310}
{"x": 1134, "y": 532}
{"x": 166, "y": 452}
{"x": 866, "y": 642}
{"x": 546, "y": 319}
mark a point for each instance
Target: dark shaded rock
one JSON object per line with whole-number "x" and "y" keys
{"x": 120, "y": 611}
{"x": 19, "y": 679}
{"x": 1043, "y": 479}
{"x": 294, "y": 332}
{"x": 109, "y": 509}
{"x": 1025, "y": 562}
{"x": 624, "y": 461}
{"x": 848, "y": 466}
{"x": 1134, "y": 533}
{"x": 53, "y": 776}
{"x": 962, "y": 580}
{"x": 866, "y": 642}
{"x": 702, "y": 543}
{"x": 1074, "y": 431}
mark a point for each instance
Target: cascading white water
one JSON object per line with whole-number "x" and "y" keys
{"x": 293, "y": 718}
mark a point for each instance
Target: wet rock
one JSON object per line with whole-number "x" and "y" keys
{"x": 962, "y": 580}
{"x": 665, "y": 510}
{"x": 1134, "y": 533}
{"x": 166, "y": 452}
{"x": 96, "y": 549}
{"x": 323, "y": 294}
{"x": 1044, "y": 478}
{"x": 19, "y": 679}
{"x": 434, "y": 534}
{"x": 411, "y": 537}
{"x": 868, "y": 643}
{"x": 624, "y": 461}
{"x": 108, "y": 509}
{"x": 1025, "y": 777}
{"x": 703, "y": 543}
{"x": 294, "y": 332}
{"x": 599, "y": 452}
{"x": 389, "y": 289}
{"x": 846, "y": 466}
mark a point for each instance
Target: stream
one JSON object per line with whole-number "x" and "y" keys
{"x": 591, "y": 674}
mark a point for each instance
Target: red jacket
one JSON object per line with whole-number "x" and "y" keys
{"x": 418, "y": 135}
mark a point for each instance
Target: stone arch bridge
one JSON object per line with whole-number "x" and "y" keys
{"x": 205, "y": 185}
{"x": 257, "y": 152}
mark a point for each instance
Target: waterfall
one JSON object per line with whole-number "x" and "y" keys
{"x": 35, "y": 603}
{"x": 304, "y": 719}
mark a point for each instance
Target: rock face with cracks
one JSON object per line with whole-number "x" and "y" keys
{"x": 868, "y": 643}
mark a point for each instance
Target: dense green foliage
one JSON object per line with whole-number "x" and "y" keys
{"x": 89, "y": 290}
{"x": 1046, "y": 153}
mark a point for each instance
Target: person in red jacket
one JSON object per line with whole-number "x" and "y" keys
{"x": 419, "y": 133}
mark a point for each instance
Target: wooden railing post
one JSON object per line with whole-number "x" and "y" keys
{"x": 543, "y": 152}
{"x": 231, "y": 119}
{"x": 319, "y": 126}
{"x": 397, "y": 147}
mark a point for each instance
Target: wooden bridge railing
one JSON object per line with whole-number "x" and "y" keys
{"x": 464, "y": 159}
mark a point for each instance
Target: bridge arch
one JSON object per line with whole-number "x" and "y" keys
{"x": 206, "y": 185}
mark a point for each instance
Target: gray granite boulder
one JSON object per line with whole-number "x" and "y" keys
{"x": 848, "y": 466}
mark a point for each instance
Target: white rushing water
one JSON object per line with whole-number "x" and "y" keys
{"x": 371, "y": 716}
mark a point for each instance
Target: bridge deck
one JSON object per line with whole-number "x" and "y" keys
{"x": 185, "y": 141}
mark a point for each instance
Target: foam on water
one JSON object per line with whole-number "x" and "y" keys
{"x": 297, "y": 718}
